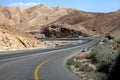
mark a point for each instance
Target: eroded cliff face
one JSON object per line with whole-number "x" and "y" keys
{"x": 10, "y": 38}
{"x": 61, "y": 30}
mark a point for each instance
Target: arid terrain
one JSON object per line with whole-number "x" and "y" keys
{"x": 98, "y": 63}
{"x": 10, "y": 38}
{"x": 48, "y": 21}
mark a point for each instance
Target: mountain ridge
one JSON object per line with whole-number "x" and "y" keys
{"x": 36, "y": 19}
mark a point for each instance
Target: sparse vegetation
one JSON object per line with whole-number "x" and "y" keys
{"x": 103, "y": 57}
{"x": 85, "y": 68}
{"x": 70, "y": 62}
{"x": 79, "y": 65}
{"x": 100, "y": 60}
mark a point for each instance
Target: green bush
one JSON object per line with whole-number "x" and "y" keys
{"x": 103, "y": 67}
{"x": 77, "y": 64}
{"x": 118, "y": 42}
{"x": 70, "y": 62}
{"x": 100, "y": 54}
{"x": 85, "y": 68}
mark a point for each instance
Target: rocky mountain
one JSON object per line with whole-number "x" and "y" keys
{"x": 108, "y": 24}
{"x": 10, "y": 38}
{"x": 49, "y": 21}
{"x": 10, "y": 15}
{"x": 102, "y": 24}
{"x": 40, "y": 15}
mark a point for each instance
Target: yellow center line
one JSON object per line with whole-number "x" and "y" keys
{"x": 36, "y": 75}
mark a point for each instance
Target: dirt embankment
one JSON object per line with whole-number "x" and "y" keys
{"x": 10, "y": 38}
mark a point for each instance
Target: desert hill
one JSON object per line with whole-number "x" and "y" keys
{"x": 61, "y": 22}
{"x": 10, "y": 38}
{"x": 10, "y": 15}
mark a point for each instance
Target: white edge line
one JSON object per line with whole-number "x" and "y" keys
{"x": 37, "y": 54}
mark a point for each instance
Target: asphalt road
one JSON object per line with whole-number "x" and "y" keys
{"x": 40, "y": 65}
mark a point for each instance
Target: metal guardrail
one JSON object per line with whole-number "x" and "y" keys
{"x": 81, "y": 38}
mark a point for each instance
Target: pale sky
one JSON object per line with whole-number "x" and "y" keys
{"x": 84, "y": 5}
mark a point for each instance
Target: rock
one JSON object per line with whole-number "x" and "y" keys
{"x": 10, "y": 38}
{"x": 62, "y": 30}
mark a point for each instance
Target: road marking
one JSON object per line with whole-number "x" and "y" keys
{"x": 14, "y": 58}
{"x": 36, "y": 72}
{"x": 9, "y": 59}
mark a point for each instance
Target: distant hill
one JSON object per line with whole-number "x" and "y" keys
{"x": 61, "y": 22}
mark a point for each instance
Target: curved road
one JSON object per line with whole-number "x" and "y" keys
{"x": 41, "y": 65}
